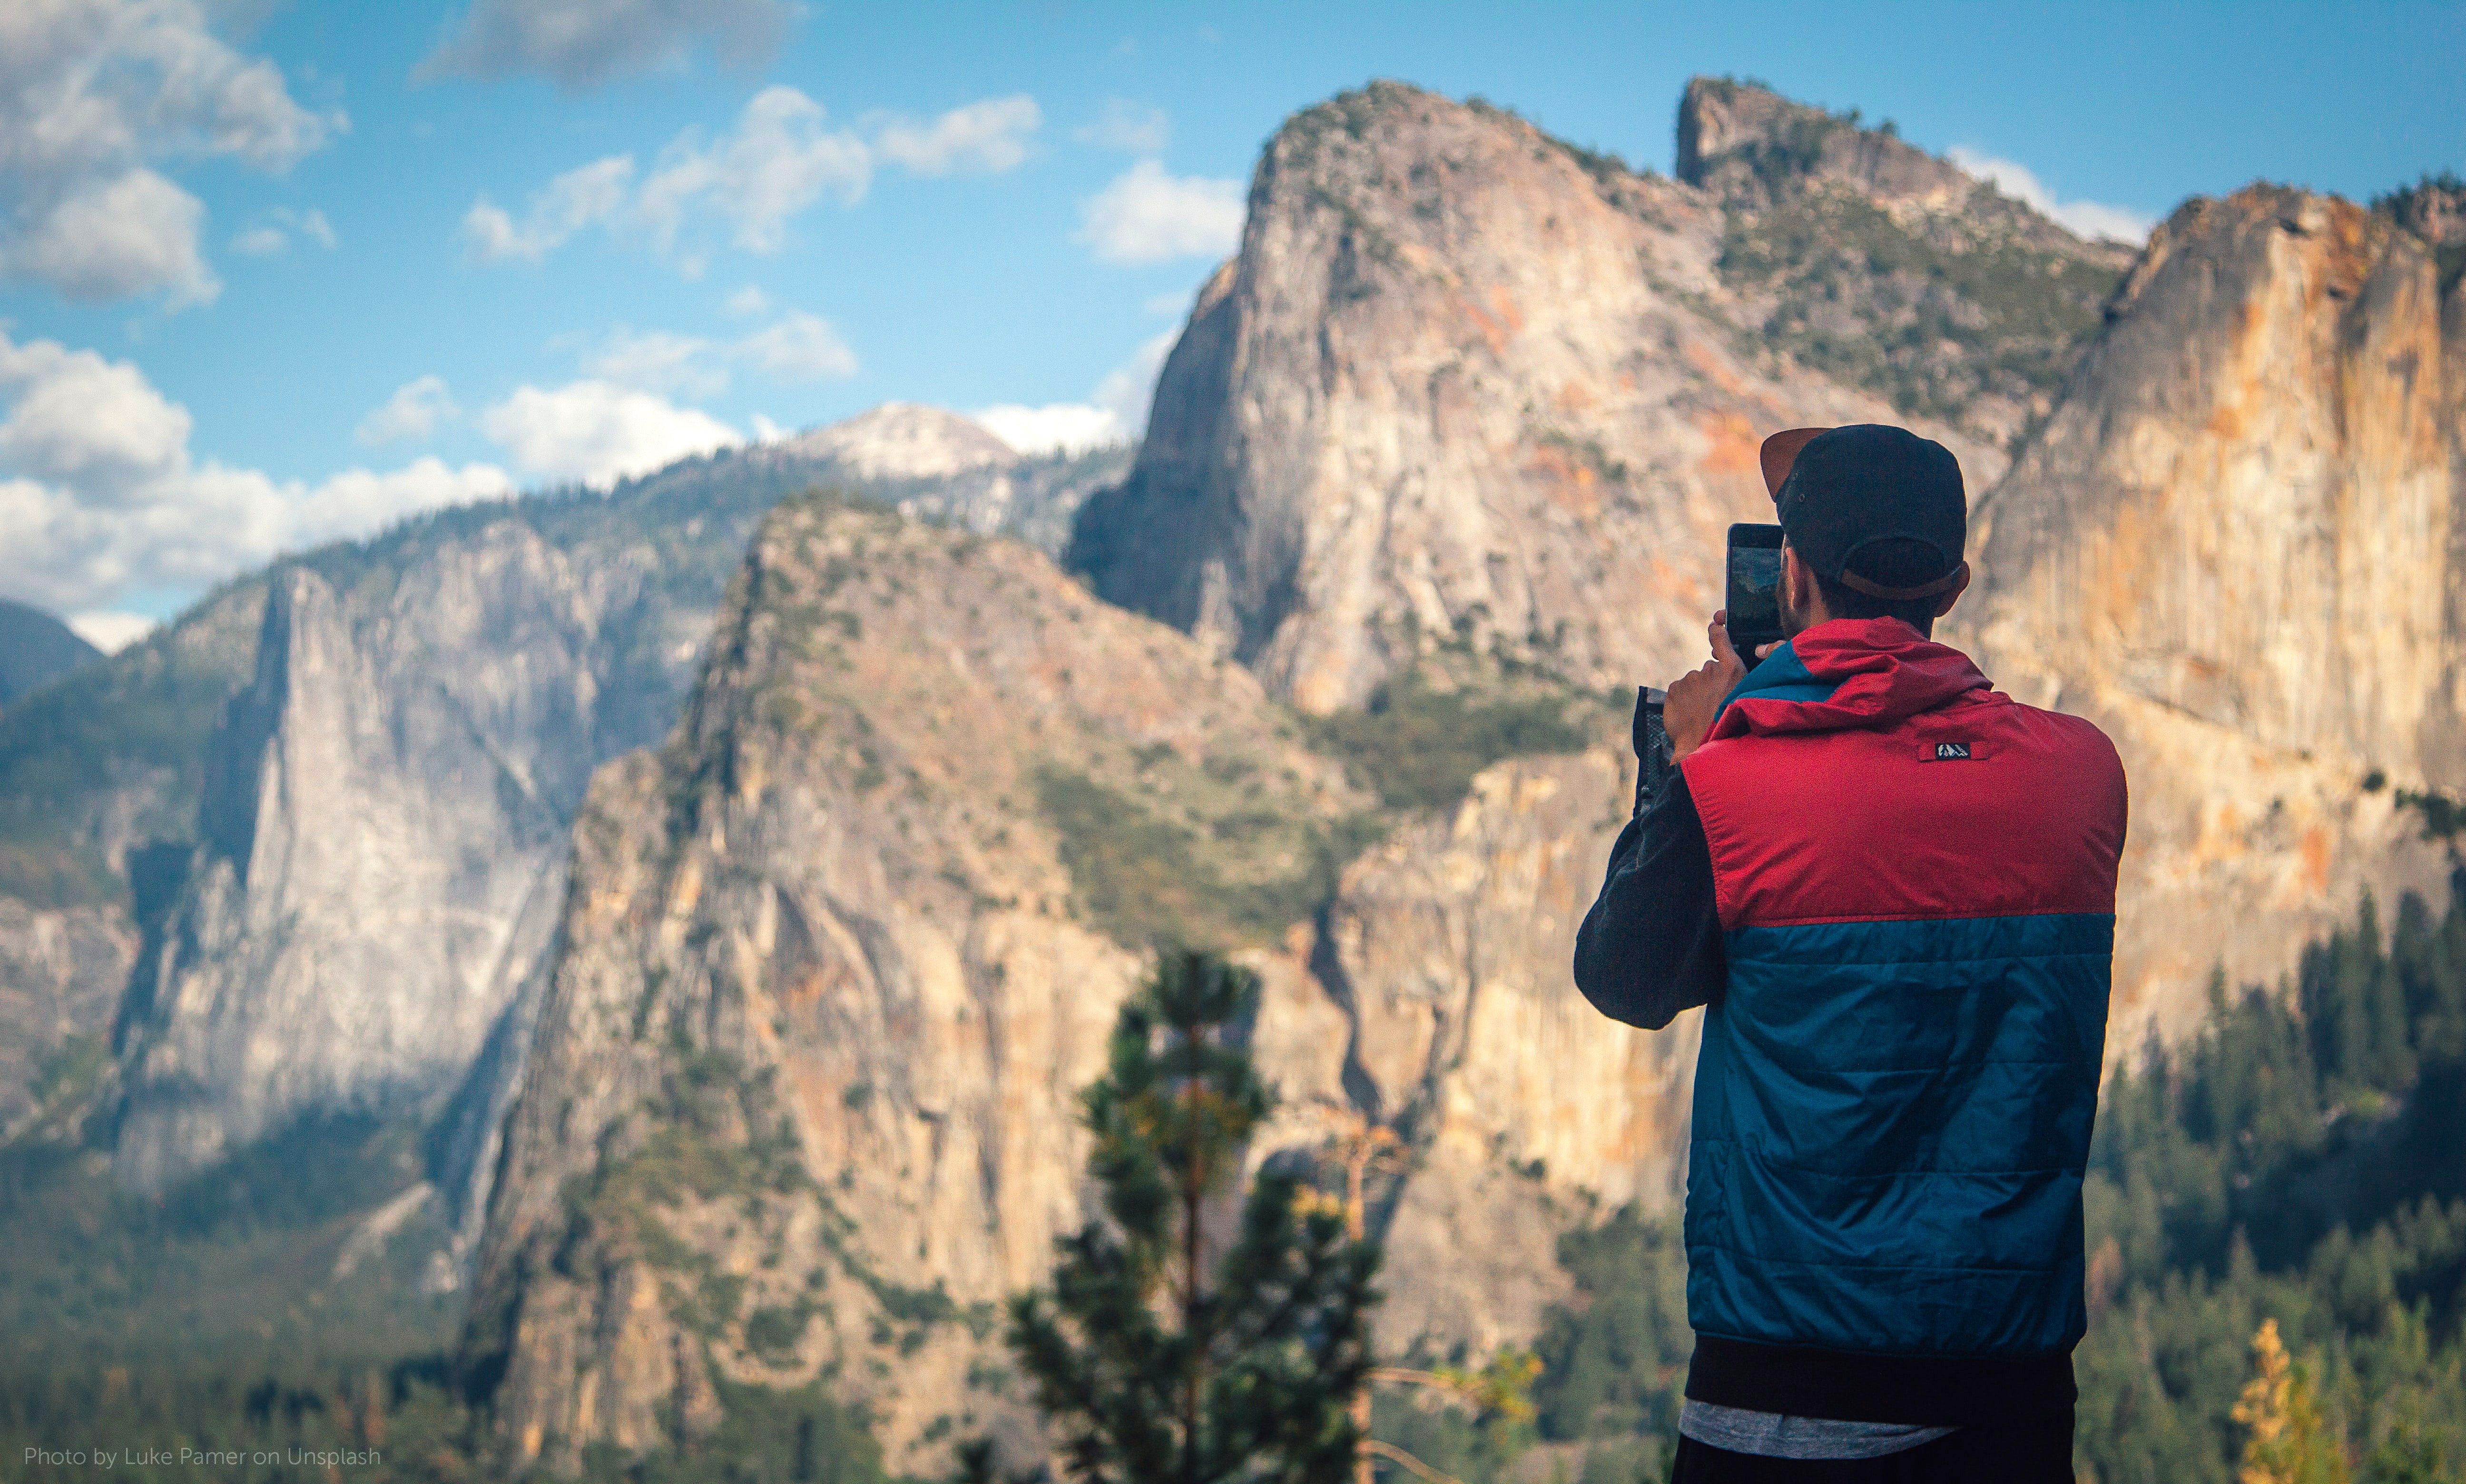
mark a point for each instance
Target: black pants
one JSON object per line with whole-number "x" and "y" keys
{"x": 2036, "y": 1452}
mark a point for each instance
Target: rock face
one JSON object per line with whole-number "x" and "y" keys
{"x": 1461, "y": 384}
{"x": 1447, "y": 949}
{"x": 2239, "y": 546}
{"x": 1883, "y": 266}
{"x": 939, "y": 466}
{"x": 303, "y": 853}
{"x": 903, "y": 440}
{"x": 801, "y": 1102}
{"x": 383, "y": 845}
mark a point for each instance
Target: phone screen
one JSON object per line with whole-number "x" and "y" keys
{"x": 1754, "y": 595}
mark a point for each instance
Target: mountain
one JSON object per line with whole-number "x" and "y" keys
{"x": 1460, "y": 383}
{"x": 796, "y": 1114}
{"x": 1855, "y": 254}
{"x": 904, "y": 440}
{"x": 357, "y": 771}
{"x": 2239, "y": 545}
{"x": 714, "y": 902}
{"x": 838, "y": 959}
{"x": 37, "y": 649}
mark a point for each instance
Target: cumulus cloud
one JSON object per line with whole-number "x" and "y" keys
{"x": 1116, "y": 412}
{"x": 796, "y": 348}
{"x": 92, "y": 92}
{"x": 99, "y": 494}
{"x": 580, "y": 44}
{"x": 800, "y": 347}
{"x": 412, "y": 412}
{"x": 1148, "y": 216}
{"x": 1134, "y": 128}
{"x": 748, "y": 302}
{"x": 777, "y": 161}
{"x": 657, "y": 360}
{"x": 273, "y": 236}
{"x": 576, "y": 199}
{"x": 110, "y": 632}
{"x": 2081, "y": 218}
{"x": 596, "y": 433}
{"x": 990, "y": 136}
{"x": 748, "y": 183}
{"x": 118, "y": 238}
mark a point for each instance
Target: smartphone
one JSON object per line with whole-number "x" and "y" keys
{"x": 1754, "y": 596}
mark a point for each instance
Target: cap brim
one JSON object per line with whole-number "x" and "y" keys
{"x": 1780, "y": 451}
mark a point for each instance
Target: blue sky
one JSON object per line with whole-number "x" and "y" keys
{"x": 312, "y": 265}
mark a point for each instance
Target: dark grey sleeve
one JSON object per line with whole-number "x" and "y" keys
{"x": 1651, "y": 946}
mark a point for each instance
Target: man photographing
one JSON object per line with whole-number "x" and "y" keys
{"x": 1892, "y": 888}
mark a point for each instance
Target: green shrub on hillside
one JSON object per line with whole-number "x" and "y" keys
{"x": 1417, "y": 747}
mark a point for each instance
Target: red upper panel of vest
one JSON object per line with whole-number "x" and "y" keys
{"x": 1866, "y": 773}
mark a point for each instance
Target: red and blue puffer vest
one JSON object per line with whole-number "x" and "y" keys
{"x": 1916, "y": 881}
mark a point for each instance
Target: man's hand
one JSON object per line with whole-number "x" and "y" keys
{"x": 1694, "y": 698}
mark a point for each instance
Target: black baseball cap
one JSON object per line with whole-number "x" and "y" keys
{"x": 1843, "y": 490}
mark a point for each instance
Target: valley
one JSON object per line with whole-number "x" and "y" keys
{"x": 602, "y": 979}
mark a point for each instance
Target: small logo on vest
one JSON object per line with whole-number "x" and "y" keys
{"x": 1952, "y": 752}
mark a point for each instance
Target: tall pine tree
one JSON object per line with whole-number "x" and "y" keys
{"x": 1168, "y": 1352}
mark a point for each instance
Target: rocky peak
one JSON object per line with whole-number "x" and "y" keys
{"x": 1462, "y": 380}
{"x": 1749, "y": 145}
{"x": 2432, "y": 207}
{"x": 2237, "y": 545}
{"x": 905, "y": 440}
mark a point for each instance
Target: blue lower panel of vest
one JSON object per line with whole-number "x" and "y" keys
{"x": 1908, "y": 1310}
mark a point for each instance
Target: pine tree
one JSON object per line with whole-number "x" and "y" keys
{"x": 1152, "y": 1365}
{"x": 2289, "y": 1443}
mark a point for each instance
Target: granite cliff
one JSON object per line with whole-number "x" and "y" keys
{"x": 2238, "y": 546}
{"x": 1460, "y": 383}
{"x": 838, "y": 957}
{"x": 302, "y": 852}
{"x": 838, "y": 960}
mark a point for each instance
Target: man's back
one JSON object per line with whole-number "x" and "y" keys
{"x": 1916, "y": 883}
{"x": 1905, "y": 916}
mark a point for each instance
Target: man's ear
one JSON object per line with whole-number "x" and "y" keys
{"x": 1960, "y": 586}
{"x": 1798, "y": 586}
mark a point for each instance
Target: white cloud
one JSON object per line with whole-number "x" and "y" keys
{"x": 748, "y": 302}
{"x": 1146, "y": 216}
{"x": 583, "y": 195}
{"x": 2081, "y": 218}
{"x": 657, "y": 360}
{"x": 413, "y": 411}
{"x": 579, "y": 44}
{"x": 100, "y": 495}
{"x": 273, "y": 237}
{"x": 800, "y": 347}
{"x": 90, "y": 93}
{"x": 1072, "y": 426}
{"x": 109, "y": 631}
{"x": 989, "y": 136}
{"x": 118, "y": 238}
{"x": 1134, "y": 128}
{"x": 1117, "y": 412}
{"x": 776, "y": 162}
{"x": 310, "y": 224}
{"x": 797, "y": 347}
{"x": 595, "y": 432}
